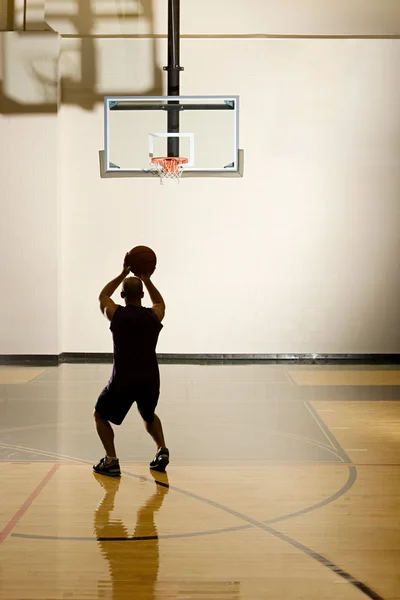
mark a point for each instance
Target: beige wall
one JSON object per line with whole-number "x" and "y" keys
{"x": 301, "y": 255}
{"x": 282, "y": 17}
{"x": 29, "y": 238}
{"x": 286, "y": 17}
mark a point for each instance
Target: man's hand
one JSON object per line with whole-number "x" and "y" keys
{"x": 126, "y": 268}
{"x": 108, "y": 306}
{"x": 156, "y": 298}
{"x": 145, "y": 277}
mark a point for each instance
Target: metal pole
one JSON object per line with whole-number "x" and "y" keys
{"x": 174, "y": 70}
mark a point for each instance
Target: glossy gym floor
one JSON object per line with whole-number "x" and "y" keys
{"x": 284, "y": 484}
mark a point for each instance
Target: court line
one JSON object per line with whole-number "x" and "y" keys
{"x": 216, "y": 464}
{"x": 344, "y": 489}
{"x": 318, "y": 422}
{"x": 281, "y": 536}
{"x": 30, "y": 427}
{"x": 37, "y": 378}
{"x": 328, "y": 432}
{"x": 285, "y": 538}
{"x": 167, "y": 536}
{"x": 75, "y": 461}
{"x": 22, "y": 510}
{"x": 52, "y": 454}
{"x": 329, "y": 448}
{"x": 26, "y": 383}
{"x": 288, "y": 378}
{"x": 42, "y": 452}
{"x": 311, "y": 441}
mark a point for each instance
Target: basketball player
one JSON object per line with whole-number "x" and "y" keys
{"x": 135, "y": 375}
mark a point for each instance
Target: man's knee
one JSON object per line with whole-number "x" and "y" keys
{"x": 148, "y": 418}
{"x": 97, "y": 417}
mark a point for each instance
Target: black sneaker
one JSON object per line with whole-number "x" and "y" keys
{"x": 161, "y": 460}
{"x": 110, "y": 469}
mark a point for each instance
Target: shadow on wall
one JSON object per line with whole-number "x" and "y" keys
{"x": 31, "y": 80}
{"x": 6, "y": 15}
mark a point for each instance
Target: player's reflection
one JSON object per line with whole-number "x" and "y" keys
{"x": 133, "y": 559}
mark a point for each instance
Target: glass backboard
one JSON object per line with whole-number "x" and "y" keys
{"x": 202, "y": 129}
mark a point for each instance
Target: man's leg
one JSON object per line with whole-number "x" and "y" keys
{"x": 106, "y": 434}
{"x": 154, "y": 428}
{"x": 110, "y": 464}
{"x": 156, "y": 431}
{"x": 146, "y": 406}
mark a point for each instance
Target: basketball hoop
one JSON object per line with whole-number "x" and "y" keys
{"x": 168, "y": 168}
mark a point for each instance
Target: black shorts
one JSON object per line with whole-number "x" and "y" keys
{"x": 114, "y": 403}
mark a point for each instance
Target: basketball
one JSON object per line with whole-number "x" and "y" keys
{"x": 142, "y": 259}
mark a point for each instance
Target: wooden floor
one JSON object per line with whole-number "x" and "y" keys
{"x": 284, "y": 484}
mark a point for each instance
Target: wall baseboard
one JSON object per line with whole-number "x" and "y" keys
{"x": 34, "y": 360}
{"x": 50, "y": 360}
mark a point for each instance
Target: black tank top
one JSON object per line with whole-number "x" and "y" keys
{"x": 135, "y": 332}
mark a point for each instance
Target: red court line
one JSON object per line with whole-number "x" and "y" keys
{"x": 21, "y": 511}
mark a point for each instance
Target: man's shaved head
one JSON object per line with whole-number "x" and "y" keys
{"x": 132, "y": 289}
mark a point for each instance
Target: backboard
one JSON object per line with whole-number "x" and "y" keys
{"x": 202, "y": 129}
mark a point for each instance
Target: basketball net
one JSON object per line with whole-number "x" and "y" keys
{"x": 168, "y": 168}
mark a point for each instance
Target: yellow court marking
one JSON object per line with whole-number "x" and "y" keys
{"x": 345, "y": 377}
{"x": 15, "y": 375}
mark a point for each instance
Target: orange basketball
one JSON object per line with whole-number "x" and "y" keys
{"x": 142, "y": 259}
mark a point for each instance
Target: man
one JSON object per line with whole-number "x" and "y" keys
{"x": 135, "y": 376}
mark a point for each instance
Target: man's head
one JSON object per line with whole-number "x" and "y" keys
{"x": 132, "y": 290}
